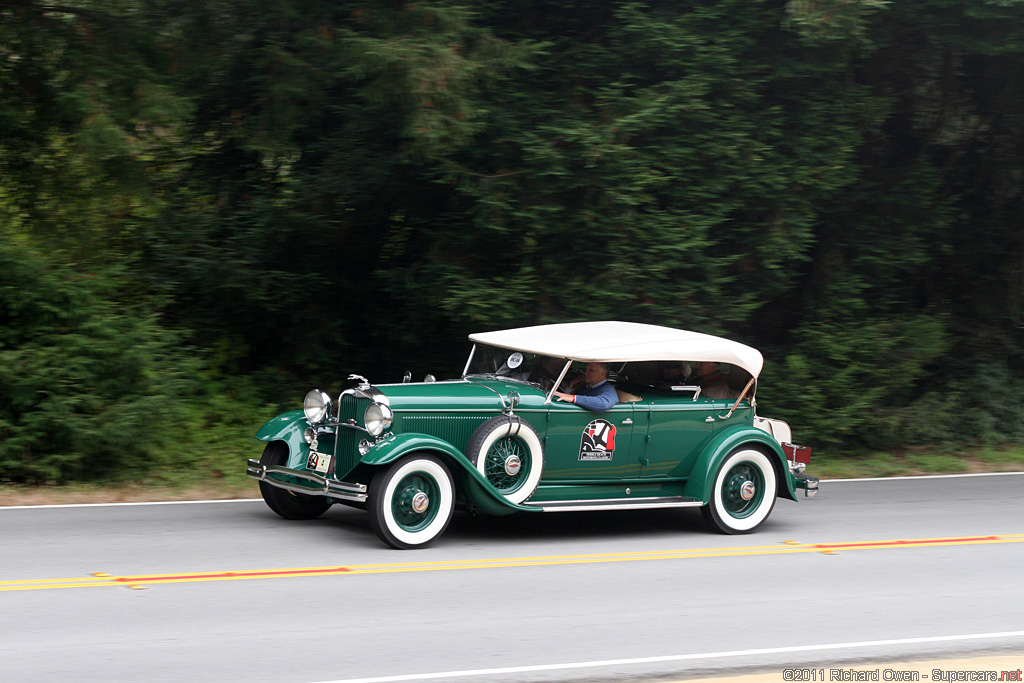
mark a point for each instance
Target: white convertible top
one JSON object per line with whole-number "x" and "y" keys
{"x": 614, "y": 341}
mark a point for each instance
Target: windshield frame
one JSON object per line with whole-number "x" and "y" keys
{"x": 549, "y": 393}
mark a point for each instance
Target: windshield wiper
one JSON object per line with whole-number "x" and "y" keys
{"x": 494, "y": 375}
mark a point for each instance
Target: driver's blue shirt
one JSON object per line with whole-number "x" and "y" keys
{"x": 599, "y": 397}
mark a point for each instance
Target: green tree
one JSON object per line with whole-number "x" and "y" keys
{"x": 907, "y": 328}
{"x": 90, "y": 387}
{"x": 88, "y": 118}
{"x": 314, "y": 188}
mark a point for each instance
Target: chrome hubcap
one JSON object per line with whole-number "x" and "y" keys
{"x": 420, "y": 502}
{"x": 512, "y": 465}
{"x": 747, "y": 490}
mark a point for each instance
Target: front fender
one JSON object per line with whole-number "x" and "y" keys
{"x": 470, "y": 480}
{"x": 721, "y": 445}
{"x": 288, "y": 427}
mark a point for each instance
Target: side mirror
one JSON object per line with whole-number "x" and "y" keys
{"x": 407, "y": 377}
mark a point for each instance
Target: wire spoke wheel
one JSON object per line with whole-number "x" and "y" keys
{"x": 507, "y": 465}
{"x": 507, "y": 452}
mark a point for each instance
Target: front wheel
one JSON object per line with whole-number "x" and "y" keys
{"x": 411, "y": 502}
{"x": 744, "y": 492}
{"x": 285, "y": 503}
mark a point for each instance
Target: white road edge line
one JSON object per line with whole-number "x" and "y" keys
{"x": 675, "y": 658}
{"x": 256, "y": 500}
{"x": 925, "y": 476}
{"x": 113, "y": 505}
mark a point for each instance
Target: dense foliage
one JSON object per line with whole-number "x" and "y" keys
{"x": 89, "y": 384}
{"x": 306, "y": 189}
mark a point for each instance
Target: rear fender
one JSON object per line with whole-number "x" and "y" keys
{"x": 470, "y": 481}
{"x": 701, "y": 485}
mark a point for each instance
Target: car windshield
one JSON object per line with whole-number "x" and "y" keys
{"x": 520, "y": 366}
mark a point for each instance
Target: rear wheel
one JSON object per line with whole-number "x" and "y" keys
{"x": 285, "y": 503}
{"x": 411, "y": 502}
{"x": 744, "y": 492}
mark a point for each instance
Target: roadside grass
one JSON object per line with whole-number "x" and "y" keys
{"x": 201, "y": 455}
{"x": 921, "y": 461}
{"x": 218, "y": 455}
{"x": 73, "y": 494}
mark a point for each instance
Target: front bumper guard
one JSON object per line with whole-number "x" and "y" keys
{"x": 342, "y": 490}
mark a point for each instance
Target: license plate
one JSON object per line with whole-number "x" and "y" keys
{"x": 318, "y": 462}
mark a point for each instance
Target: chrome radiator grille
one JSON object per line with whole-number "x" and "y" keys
{"x": 350, "y": 408}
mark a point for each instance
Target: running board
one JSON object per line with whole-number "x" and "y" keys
{"x": 616, "y": 504}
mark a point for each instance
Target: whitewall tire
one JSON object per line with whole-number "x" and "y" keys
{"x": 744, "y": 492}
{"x": 508, "y": 452}
{"x": 411, "y": 502}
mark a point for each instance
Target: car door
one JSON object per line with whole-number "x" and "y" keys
{"x": 676, "y": 429}
{"x": 581, "y": 444}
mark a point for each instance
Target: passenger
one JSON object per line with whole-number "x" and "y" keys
{"x": 596, "y": 393}
{"x": 546, "y": 374}
{"x": 711, "y": 381}
{"x": 673, "y": 372}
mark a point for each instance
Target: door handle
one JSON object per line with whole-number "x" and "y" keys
{"x": 628, "y": 421}
{"x": 709, "y": 419}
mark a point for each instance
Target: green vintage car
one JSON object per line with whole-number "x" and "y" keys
{"x": 498, "y": 440}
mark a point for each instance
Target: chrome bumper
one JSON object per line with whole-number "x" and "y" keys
{"x": 323, "y": 486}
{"x": 808, "y": 483}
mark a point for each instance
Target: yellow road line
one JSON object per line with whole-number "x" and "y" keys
{"x": 787, "y": 547}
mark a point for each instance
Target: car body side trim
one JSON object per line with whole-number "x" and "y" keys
{"x": 618, "y": 504}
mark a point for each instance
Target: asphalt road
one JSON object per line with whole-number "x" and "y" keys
{"x": 228, "y": 591}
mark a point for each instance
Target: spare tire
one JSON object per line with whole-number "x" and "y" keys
{"x": 508, "y": 452}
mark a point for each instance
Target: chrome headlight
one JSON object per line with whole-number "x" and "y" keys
{"x": 317, "y": 406}
{"x": 377, "y": 418}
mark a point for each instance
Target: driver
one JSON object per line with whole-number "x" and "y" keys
{"x": 596, "y": 393}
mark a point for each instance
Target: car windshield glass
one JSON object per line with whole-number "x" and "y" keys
{"x": 521, "y": 366}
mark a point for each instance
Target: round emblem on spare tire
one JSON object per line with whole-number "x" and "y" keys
{"x": 512, "y": 465}
{"x": 747, "y": 490}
